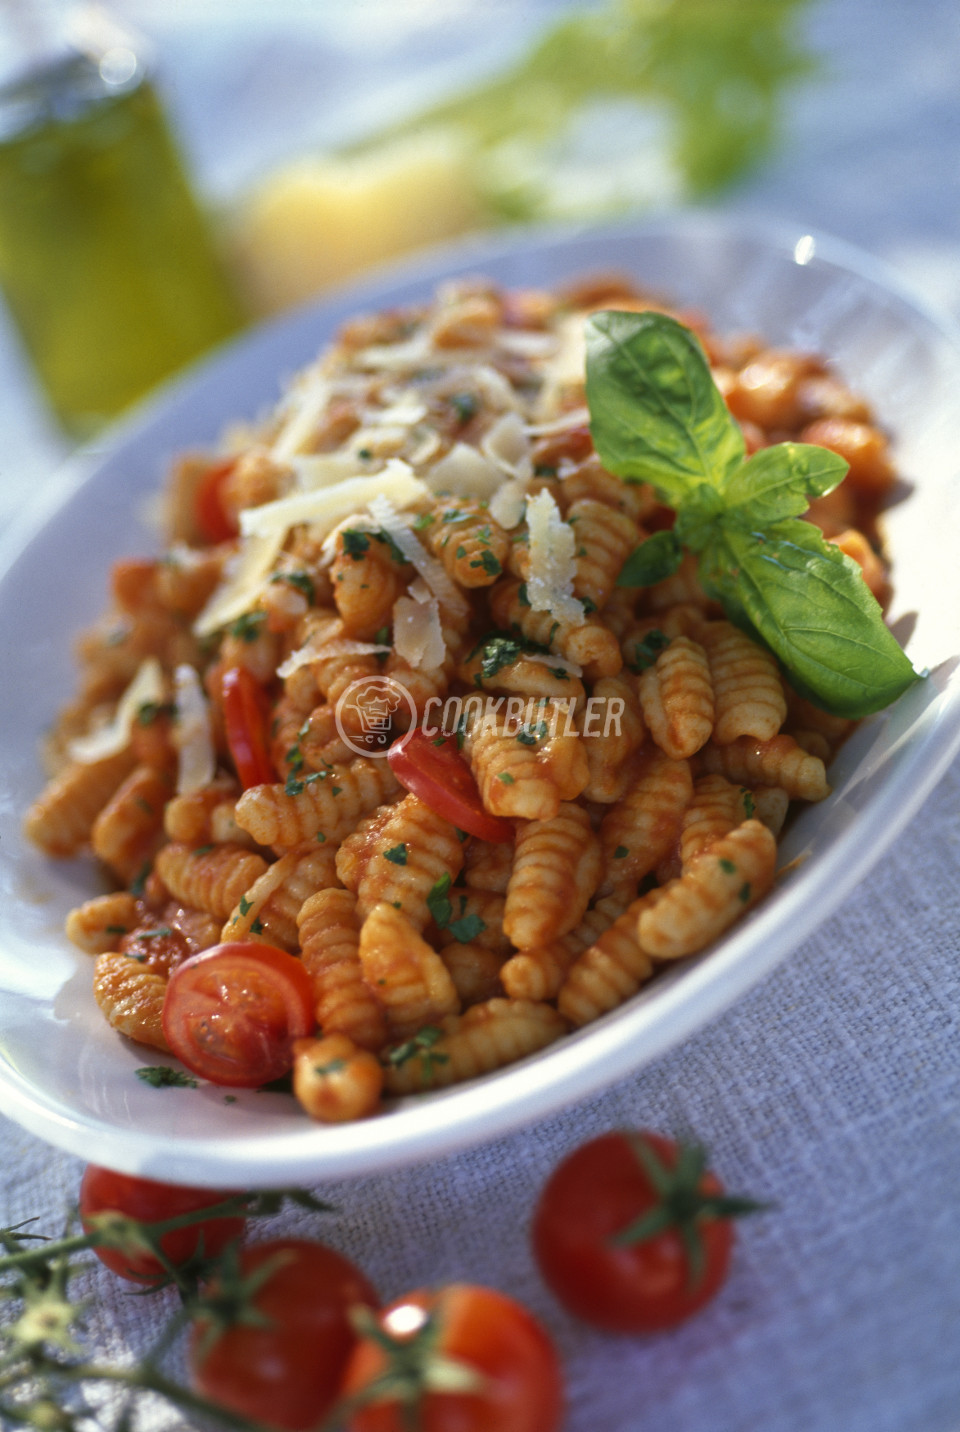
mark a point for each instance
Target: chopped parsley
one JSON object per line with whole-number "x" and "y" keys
{"x": 157, "y": 934}
{"x": 744, "y": 892}
{"x": 426, "y": 519}
{"x": 621, "y": 852}
{"x": 749, "y": 804}
{"x": 499, "y": 650}
{"x": 163, "y": 1076}
{"x": 646, "y": 652}
{"x": 397, "y": 854}
{"x": 396, "y": 552}
{"x": 489, "y": 563}
{"x": 301, "y": 581}
{"x": 355, "y": 544}
{"x": 257, "y": 927}
{"x": 728, "y": 867}
{"x": 249, "y": 626}
{"x": 422, "y": 1045}
{"x": 245, "y": 905}
{"x": 334, "y": 1067}
{"x": 465, "y": 405}
{"x": 150, "y": 711}
{"x": 507, "y": 779}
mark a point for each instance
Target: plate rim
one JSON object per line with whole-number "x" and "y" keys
{"x": 555, "y": 1078}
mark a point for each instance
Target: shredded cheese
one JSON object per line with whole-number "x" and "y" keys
{"x": 464, "y": 472}
{"x": 507, "y": 445}
{"x": 246, "y": 576}
{"x": 323, "y": 509}
{"x": 146, "y": 688}
{"x": 417, "y": 630}
{"x": 552, "y": 561}
{"x": 306, "y": 407}
{"x": 317, "y": 647}
{"x": 556, "y": 663}
{"x": 326, "y": 469}
{"x": 193, "y": 735}
{"x": 386, "y": 516}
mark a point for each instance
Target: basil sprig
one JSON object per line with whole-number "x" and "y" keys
{"x": 658, "y": 417}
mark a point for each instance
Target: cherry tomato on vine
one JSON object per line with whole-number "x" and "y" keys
{"x": 276, "y": 1339}
{"x": 245, "y": 719}
{"x": 463, "y": 1359}
{"x": 216, "y": 524}
{"x": 633, "y": 1234}
{"x": 103, "y": 1191}
{"x": 434, "y": 771}
{"x": 231, "y": 1013}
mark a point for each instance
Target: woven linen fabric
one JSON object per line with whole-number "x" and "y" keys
{"x": 832, "y": 1090}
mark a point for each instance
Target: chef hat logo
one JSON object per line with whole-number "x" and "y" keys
{"x": 369, "y": 709}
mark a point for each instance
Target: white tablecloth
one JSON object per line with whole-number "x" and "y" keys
{"x": 834, "y": 1088}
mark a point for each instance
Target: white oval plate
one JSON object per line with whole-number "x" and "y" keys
{"x": 67, "y": 1077}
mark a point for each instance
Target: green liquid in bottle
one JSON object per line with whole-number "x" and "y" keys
{"x": 105, "y": 259}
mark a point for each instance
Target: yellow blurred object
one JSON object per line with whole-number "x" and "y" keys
{"x": 317, "y": 221}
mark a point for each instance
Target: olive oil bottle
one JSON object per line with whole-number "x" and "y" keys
{"x": 106, "y": 261}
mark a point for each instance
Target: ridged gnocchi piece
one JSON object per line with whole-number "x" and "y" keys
{"x": 777, "y": 762}
{"x": 188, "y": 818}
{"x": 130, "y": 827}
{"x": 401, "y": 858}
{"x": 610, "y": 970}
{"x": 557, "y": 866}
{"x": 98, "y": 925}
{"x": 521, "y": 769}
{"x": 471, "y": 545}
{"x": 407, "y": 975}
{"x": 612, "y": 733}
{"x": 487, "y": 866}
{"x": 208, "y": 879}
{"x": 488, "y": 1036}
{"x": 334, "y": 1080}
{"x": 605, "y": 538}
{"x": 591, "y": 645}
{"x": 268, "y": 910}
{"x": 590, "y": 481}
{"x": 474, "y": 969}
{"x": 770, "y": 805}
{"x": 676, "y": 695}
{"x": 644, "y": 825}
{"x": 61, "y": 818}
{"x": 747, "y": 689}
{"x": 716, "y": 808}
{"x": 683, "y": 588}
{"x": 476, "y": 915}
{"x": 538, "y": 973}
{"x": 305, "y": 809}
{"x": 130, "y": 996}
{"x": 722, "y": 883}
{"x": 330, "y": 950}
{"x": 366, "y": 583}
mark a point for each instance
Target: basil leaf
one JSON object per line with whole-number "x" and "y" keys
{"x": 778, "y": 481}
{"x": 809, "y": 604}
{"x": 655, "y": 412}
{"x": 653, "y": 561}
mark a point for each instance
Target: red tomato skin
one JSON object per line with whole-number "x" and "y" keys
{"x": 441, "y": 778}
{"x": 102, "y": 1190}
{"x": 491, "y": 1333}
{"x": 213, "y": 521}
{"x": 241, "y": 1051}
{"x": 245, "y": 721}
{"x": 288, "y": 1374}
{"x": 597, "y": 1191}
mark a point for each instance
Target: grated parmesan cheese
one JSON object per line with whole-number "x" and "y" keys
{"x": 386, "y": 516}
{"x": 193, "y": 735}
{"x": 507, "y": 445}
{"x": 146, "y": 688}
{"x": 328, "y": 506}
{"x": 552, "y": 561}
{"x": 465, "y": 472}
{"x": 556, "y": 663}
{"x": 417, "y": 631}
{"x": 317, "y": 646}
{"x": 318, "y": 470}
{"x": 307, "y": 405}
{"x": 246, "y": 576}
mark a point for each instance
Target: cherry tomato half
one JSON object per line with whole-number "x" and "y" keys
{"x": 493, "y": 1341}
{"x": 216, "y": 524}
{"x": 245, "y": 719}
{"x": 103, "y": 1191}
{"x": 435, "y": 772}
{"x": 285, "y": 1368}
{"x": 633, "y": 1234}
{"x": 232, "y": 1013}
